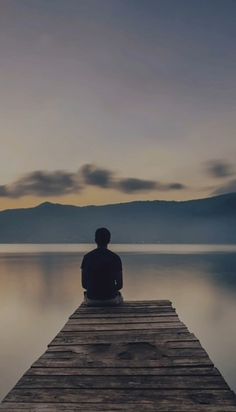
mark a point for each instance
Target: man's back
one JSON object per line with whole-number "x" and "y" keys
{"x": 101, "y": 273}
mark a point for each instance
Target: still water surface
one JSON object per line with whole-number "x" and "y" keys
{"x": 40, "y": 287}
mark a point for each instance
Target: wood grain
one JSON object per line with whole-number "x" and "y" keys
{"x": 136, "y": 357}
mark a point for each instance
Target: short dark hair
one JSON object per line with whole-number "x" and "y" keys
{"x": 102, "y": 236}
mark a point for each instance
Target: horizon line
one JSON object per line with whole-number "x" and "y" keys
{"x": 117, "y": 203}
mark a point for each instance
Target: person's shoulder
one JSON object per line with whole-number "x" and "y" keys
{"x": 114, "y": 255}
{"x": 90, "y": 254}
{"x": 87, "y": 258}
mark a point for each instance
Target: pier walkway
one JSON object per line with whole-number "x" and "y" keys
{"x": 136, "y": 357}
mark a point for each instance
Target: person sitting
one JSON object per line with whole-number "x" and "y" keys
{"x": 102, "y": 273}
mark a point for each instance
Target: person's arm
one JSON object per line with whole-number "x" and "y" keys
{"x": 119, "y": 276}
{"x": 83, "y": 274}
{"x": 119, "y": 280}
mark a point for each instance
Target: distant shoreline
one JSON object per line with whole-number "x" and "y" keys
{"x": 207, "y": 221}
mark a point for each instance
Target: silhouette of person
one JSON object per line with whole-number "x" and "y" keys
{"x": 102, "y": 273}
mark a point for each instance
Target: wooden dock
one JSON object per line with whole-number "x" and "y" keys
{"x": 136, "y": 357}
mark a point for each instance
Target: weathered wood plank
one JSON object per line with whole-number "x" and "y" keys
{"x": 187, "y": 397}
{"x": 121, "y": 320}
{"x": 110, "y": 362}
{"x": 117, "y": 336}
{"x": 164, "y": 371}
{"x": 145, "y": 303}
{"x": 141, "y": 350}
{"x": 122, "y": 382}
{"x": 168, "y": 329}
{"x": 127, "y": 310}
{"x": 133, "y": 314}
{"x": 112, "y": 407}
{"x": 122, "y": 326}
{"x": 127, "y": 355}
{"x": 127, "y": 305}
{"x": 174, "y": 345}
{"x": 138, "y": 356}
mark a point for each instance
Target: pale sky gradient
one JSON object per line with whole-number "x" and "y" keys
{"x": 143, "y": 88}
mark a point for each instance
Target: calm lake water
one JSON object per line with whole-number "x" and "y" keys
{"x": 40, "y": 287}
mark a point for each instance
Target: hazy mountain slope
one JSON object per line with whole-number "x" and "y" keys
{"x": 211, "y": 220}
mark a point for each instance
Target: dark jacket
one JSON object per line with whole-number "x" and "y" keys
{"x": 101, "y": 274}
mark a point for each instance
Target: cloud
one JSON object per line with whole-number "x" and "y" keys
{"x": 229, "y": 187}
{"x": 61, "y": 183}
{"x": 131, "y": 185}
{"x": 219, "y": 168}
{"x": 97, "y": 176}
{"x": 40, "y": 183}
{"x": 3, "y": 191}
{"x": 173, "y": 186}
{"x": 105, "y": 178}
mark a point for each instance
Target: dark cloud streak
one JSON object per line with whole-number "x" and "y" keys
{"x": 95, "y": 176}
{"x": 219, "y": 168}
{"x": 62, "y": 183}
{"x": 40, "y": 183}
{"x": 131, "y": 185}
{"x": 176, "y": 186}
{"x": 105, "y": 178}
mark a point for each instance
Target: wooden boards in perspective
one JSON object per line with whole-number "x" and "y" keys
{"x": 135, "y": 357}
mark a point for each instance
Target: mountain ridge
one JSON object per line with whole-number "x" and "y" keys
{"x": 207, "y": 220}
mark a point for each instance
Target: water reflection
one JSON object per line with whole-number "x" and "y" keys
{"x": 39, "y": 290}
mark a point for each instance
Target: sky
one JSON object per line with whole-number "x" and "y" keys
{"x": 109, "y": 101}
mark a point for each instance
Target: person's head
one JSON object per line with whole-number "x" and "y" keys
{"x": 102, "y": 237}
